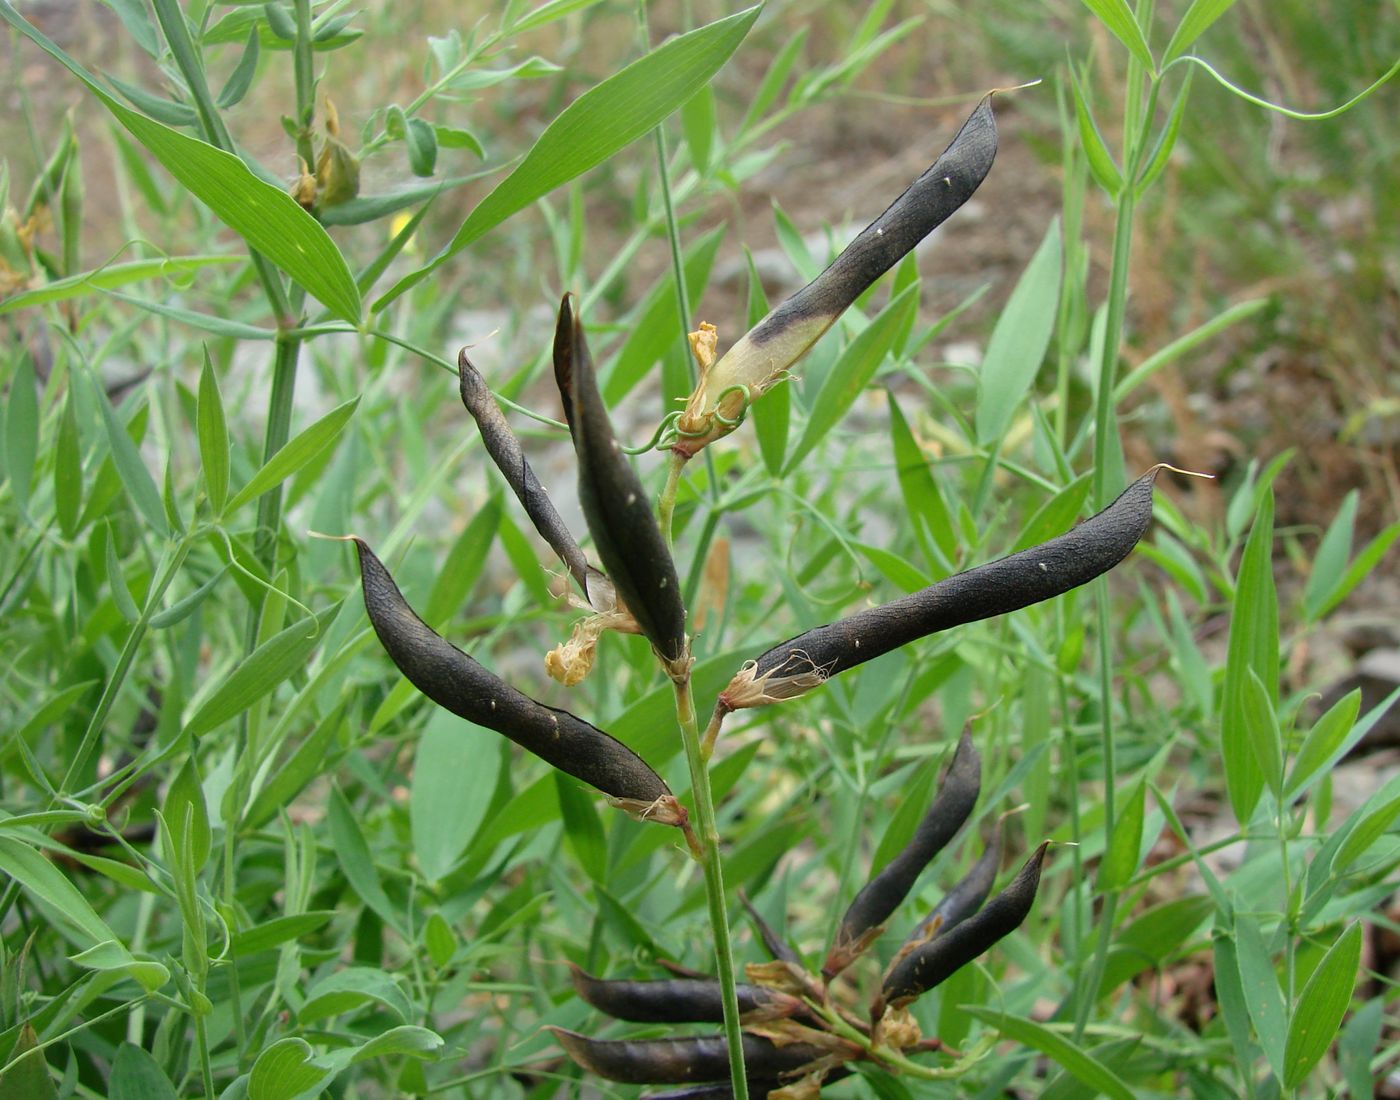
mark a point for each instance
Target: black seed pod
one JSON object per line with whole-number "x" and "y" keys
{"x": 777, "y": 947}
{"x": 961, "y": 901}
{"x": 679, "y": 1000}
{"x": 763, "y": 356}
{"x": 619, "y": 513}
{"x": 453, "y": 680}
{"x": 1040, "y": 573}
{"x": 881, "y": 896}
{"x": 945, "y": 954}
{"x": 505, "y": 451}
{"x": 699, "y": 1058}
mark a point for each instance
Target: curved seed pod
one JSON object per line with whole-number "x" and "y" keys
{"x": 762, "y": 357}
{"x": 453, "y": 680}
{"x": 773, "y": 943}
{"x": 617, "y": 508}
{"x": 866, "y": 916}
{"x": 959, "y": 903}
{"x": 679, "y": 1000}
{"x": 699, "y": 1058}
{"x": 505, "y": 451}
{"x": 1078, "y": 556}
{"x": 941, "y": 957}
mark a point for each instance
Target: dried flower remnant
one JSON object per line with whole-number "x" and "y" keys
{"x": 1031, "y": 576}
{"x": 454, "y": 681}
{"x": 765, "y": 354}
{"x": 619, "y": 514}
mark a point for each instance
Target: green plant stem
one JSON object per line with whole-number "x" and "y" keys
{"x": 666, "y": 505}
{"x": 708, "y": 837}
{"x": 206, "y": 1068}
{"x": 304, "y": 72}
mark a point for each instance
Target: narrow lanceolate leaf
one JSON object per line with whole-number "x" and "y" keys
{"x": 1078, "y": 1062}
{"x": 1019, "y": 340}
{"x": 1321, "y": 1006}
{"x": 298, "y": 452}
{"x": 882, "y": 895}
{"x": 1118, "y": 17}
{"x": 212, "y": 429}
{"x": 260, "y": 672}
{"x": 1040, "y": 573}
{"x": 854, "y": 368}
{"x": 505, "y": 451}
{"x": 62, "y": 901}
{"x": 453, "y": 680}
{"x": 597, "y": 124}
{"x": 265, "y": 216}
{"x": 766, "y": 352}
{"x": 1197, "y": 20}
{"x": 1253, "y": 648}
{"x": 22, "y": 430}
{"x": 130, "y": 468}
{"x": 27, "y": 1077}
{"x": 619, "y": 511}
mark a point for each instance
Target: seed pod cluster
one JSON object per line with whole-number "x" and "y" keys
{"x": 882, "y": 895}
{"x": 454, "y": 681}
{"x": 792, "y": 1044}
{"x": 1031, "y": 576}
{"x": 619, "y": 512}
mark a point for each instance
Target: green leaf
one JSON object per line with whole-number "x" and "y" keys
{"x": 1330, "y": 562}
{"x": 138, "y": 1076}
{"x": 1101, "y": 163}
{"x": 260, "y": 672}
{"x": 355, "y": 859}
{"x": 408, "y": 1040}
{"x": 1360, "y": 1039}
{"x": 698, "y": 125}
{"x": 1368, "y": 828}
{"x": 298, "y": 452}
{"x": 462, "y": 565}
{"x": 853, "y": 370}
{"x": 421, "y": 142}
{"x": 1361, "y": 567}
{"x": 241, "y": 79}
{"x": 1264, "y": 734}
{"x": 284, "y": 1071}
{"x": 1323, "y": 740}
{"x": 1262, "y": 996}
{"x": 22, "y": 430}
{"x": 1118, "y": 17}
{"x": 454, "y": 777}
{"x": 277, "y": 931}
{"x": 289, "y": 779}
{"x": 1120, "y": 858}
{"x": 212, "y": 430}
{"x": 267, "y": 217}
{"x": 112, "y": 956}
{"x": 1020, "y": 339}
{"x": 1321, "y": 1006}
{"x": 604, "y": 119}
{"x": 135, "y": 478}
{"x": 62, "y": 901}
{"x": 68, "y": 470}
{"x": 1230, "y": 993}
{"x": 1059, "y": 1048}
{"x": 116, "y": 583}
{"x": 923, "y": 499}
{"x": 1056, "y": 515}
{"x": 185, "y": 809}
{"x": 583, "y": 830}
{"x": 28, "y": 1075}
{"x": 1199, "y": 16}
{"x": 440, "y": 940}
{"x": 1253, "y": 647}
{"x": 183, "y": 608}
{"x": 348, "y": 989}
